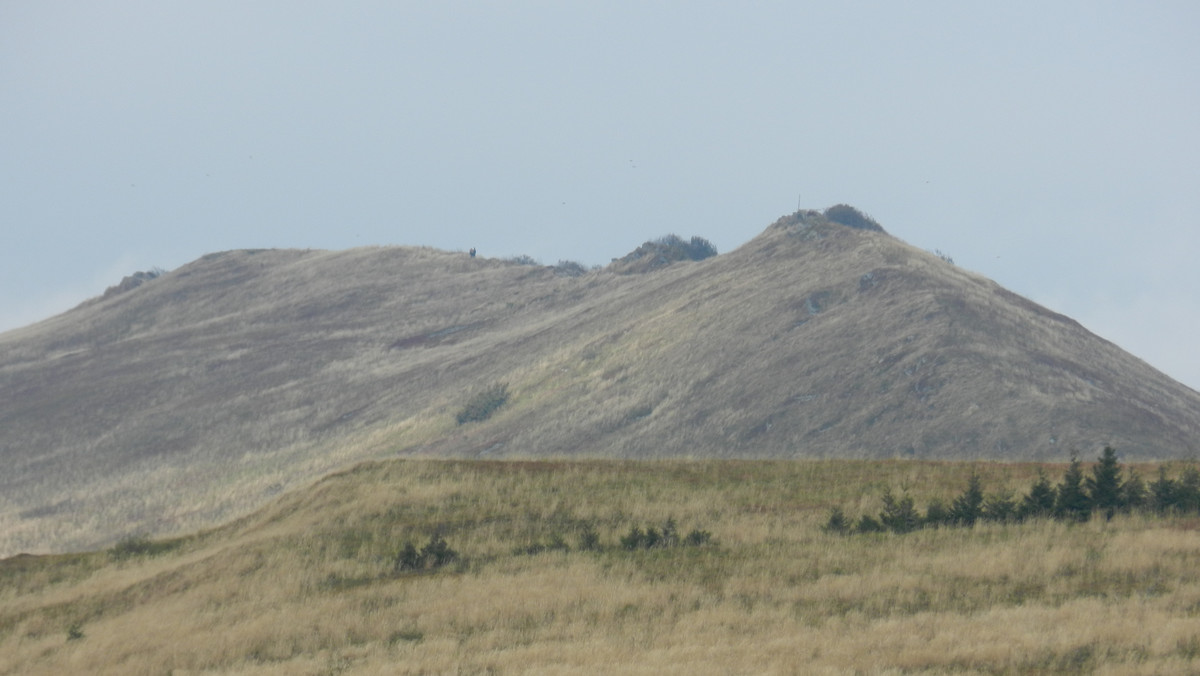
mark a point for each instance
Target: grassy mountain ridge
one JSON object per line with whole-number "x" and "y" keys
{"x": 196, "y": 396}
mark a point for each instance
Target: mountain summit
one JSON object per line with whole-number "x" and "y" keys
{"x": 197, "y": 394}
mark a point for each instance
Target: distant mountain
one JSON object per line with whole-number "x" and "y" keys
{"x": 194, "y": 395}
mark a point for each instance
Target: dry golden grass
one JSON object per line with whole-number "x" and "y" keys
{"x": 306, "y": 586}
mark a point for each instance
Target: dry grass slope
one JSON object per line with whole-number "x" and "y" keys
{"x": 199, "y": 395}
{"x": 306, "y": 586}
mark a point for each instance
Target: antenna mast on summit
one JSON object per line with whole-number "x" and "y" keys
{"x": 798, "y": 202}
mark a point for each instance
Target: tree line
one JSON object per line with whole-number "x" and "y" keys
{"x": 1078, "y": 496}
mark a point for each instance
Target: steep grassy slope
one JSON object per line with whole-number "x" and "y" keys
{"x": 819, "y": 340}
{"x": 306, "y": 586}
{"x": 198, "y": 395}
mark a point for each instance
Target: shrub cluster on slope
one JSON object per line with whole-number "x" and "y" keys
{"x": 140, "y": 545}
{"x": 131, "y": 282}
{"x": 664, "y": 251}
{"x": 1075, "y": 498}
{"x": 666, "y": 536}
{"x": 483, "y": 404}
{"x": 851, "y": 217}
{"x": 435, "y": 554}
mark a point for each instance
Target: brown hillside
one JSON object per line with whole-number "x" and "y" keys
{"x": 197, "y": 395}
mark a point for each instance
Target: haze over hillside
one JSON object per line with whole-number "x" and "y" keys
{"x": 192, "y": 396}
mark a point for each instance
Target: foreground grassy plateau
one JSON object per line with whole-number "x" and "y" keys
{"x": 541, "y": 583}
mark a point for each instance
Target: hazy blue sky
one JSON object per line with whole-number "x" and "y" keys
{"x": 1052, "y": 146}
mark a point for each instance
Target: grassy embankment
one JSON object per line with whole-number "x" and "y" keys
{"x": 307, "y": 585}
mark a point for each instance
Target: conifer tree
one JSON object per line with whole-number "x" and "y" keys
{"x": 936, "y": 514}
{"x": 1039, "y": 502}
{"x": 1162, "y": 492}
{"x": 999, "y": 507}
{"x": 968, "y": 507}
{"x": 1104, "y": 486}
{"x": 837, "y": 523}
{"x": 868, "y": 524}
{"x": 1133, "y": 492}
{"x": 1070, "y": 500}
{"x": 1187, "y": 490}
{"x": 899, "y": 515}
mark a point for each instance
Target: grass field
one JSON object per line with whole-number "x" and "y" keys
{"x": 308, "y": 586}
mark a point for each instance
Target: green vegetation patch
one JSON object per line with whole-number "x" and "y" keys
{"x": 483, "y": 404}
{"x": 140, "y": 545}
{"x": 851, "y": 217}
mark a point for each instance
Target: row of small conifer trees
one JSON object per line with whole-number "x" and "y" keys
{"x": 1075, "y": 498}
{"x": 437, "y": 552}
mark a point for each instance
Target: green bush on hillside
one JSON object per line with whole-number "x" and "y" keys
{"x": 483, "y": 404}
{"x": 837, "y": 523}
{"x": 140, "y": 545}
{"x": 589, "y": 539}
{"x": 655, "y": 254}
{"x": 698, "y": 538}
{"x": 899, "y": 514}
{"x": 663, "y": 538}
{"x": 570, "y": 269}
{"x": 851, "y": 217}
{"x": 435, "y": 554}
